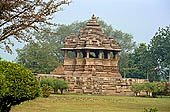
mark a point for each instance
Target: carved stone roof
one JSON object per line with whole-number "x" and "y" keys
{"x": 91, "y": 37}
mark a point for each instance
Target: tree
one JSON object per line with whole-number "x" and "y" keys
{"x": 136, "y": 63}
{"x": 38, "y": 57}
{"x": 159, "y": 48}
{"x": 150, "y": 61}
{"x": 60, "y": 84}
{"x": 19, "y": 17}
{"x": 17, "y": 84}
{"x": 55, "y": 41}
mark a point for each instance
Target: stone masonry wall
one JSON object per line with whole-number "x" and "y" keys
{"x": 96, "y": 85}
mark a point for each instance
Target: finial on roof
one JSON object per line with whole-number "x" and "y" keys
{"x": 93, "y": 17}
{"x": 92, "y": 21}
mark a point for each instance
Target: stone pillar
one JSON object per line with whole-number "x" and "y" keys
{"x": 65, "y": 53}
{"x": 78, "y": 54}
{"x": 108, "y": 55}
{"x": 100, "y": 54}
{"x": 115, "y": 56}
{"x": 105, "y": 54}
{"x": 87, "y": 53}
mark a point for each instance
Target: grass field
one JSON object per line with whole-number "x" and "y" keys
{"x": 90, "y": 103}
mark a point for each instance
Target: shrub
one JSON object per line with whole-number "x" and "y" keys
{"x": 150, "y": 88}
{"x": 17, "y": 84}
{"x": 56, "y": 84}
{"x": 150, "y": 110}
{"x": 147, "y": 87}
{"x": 46, "y": 90}
{"x": 160, "y": 89}
{"x": 137, "y": 88}
{"x": 47, "y": 81}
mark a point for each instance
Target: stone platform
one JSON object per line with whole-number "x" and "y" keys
{"x": 96, "y": 85}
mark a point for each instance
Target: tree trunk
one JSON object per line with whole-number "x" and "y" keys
{"x": 61, "y": 91}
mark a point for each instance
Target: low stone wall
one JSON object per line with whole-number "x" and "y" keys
{"x": 96, "y": 85}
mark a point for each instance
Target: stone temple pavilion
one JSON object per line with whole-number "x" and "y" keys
{"x": 95, "y": 54}
{"x": 94, "y": 67}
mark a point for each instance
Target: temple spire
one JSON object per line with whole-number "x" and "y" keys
{"x": 92, "y": 21}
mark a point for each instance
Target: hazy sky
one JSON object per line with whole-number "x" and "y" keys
{"x": 140, "y": 18}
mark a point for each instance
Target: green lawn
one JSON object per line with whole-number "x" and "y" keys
{"x": 90, "y": 103}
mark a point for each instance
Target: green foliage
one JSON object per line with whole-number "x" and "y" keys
{"x": 46, "y": 90}
{"x": 148, "y": 87}
{"x": 137, "y": 88}
{"x": 17, "y": 84}
{"x": 3, "y": 86}
{"x": 61, "y": 85}
{"x": 38, "y": 57}
{"x": 141, "y": 63}
{"x": 159, "y": 48}
{"x": 56, "y": 84}
{"x": 47, "y": 81}
{"x": 150, "y": 110}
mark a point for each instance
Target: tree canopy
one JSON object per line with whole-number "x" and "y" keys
{"x": 151, "y": 61}
{"x": 19, "y": 17}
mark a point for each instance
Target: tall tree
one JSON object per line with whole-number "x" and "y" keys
{"x": 38, "y": 57}
{"x": 139, "y": 63}
{"x": 19, "y": 17}
{"x": 159, "y": 48}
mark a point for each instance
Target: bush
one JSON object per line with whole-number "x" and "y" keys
{"x": 150, "y": 110}
{"x": 137, "y": 88}
{"x": 17, "y": 84}
{"x": 56, "y": 84}
{"x": 47, "y": 81}
{"x": 160, "y": 89}
{"x": 46, "y": 90}
{"x": 150, "y": 88}
{"x": 147, "y": 87}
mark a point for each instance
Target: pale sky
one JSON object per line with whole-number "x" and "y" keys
{"x": 140, "y": 18}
